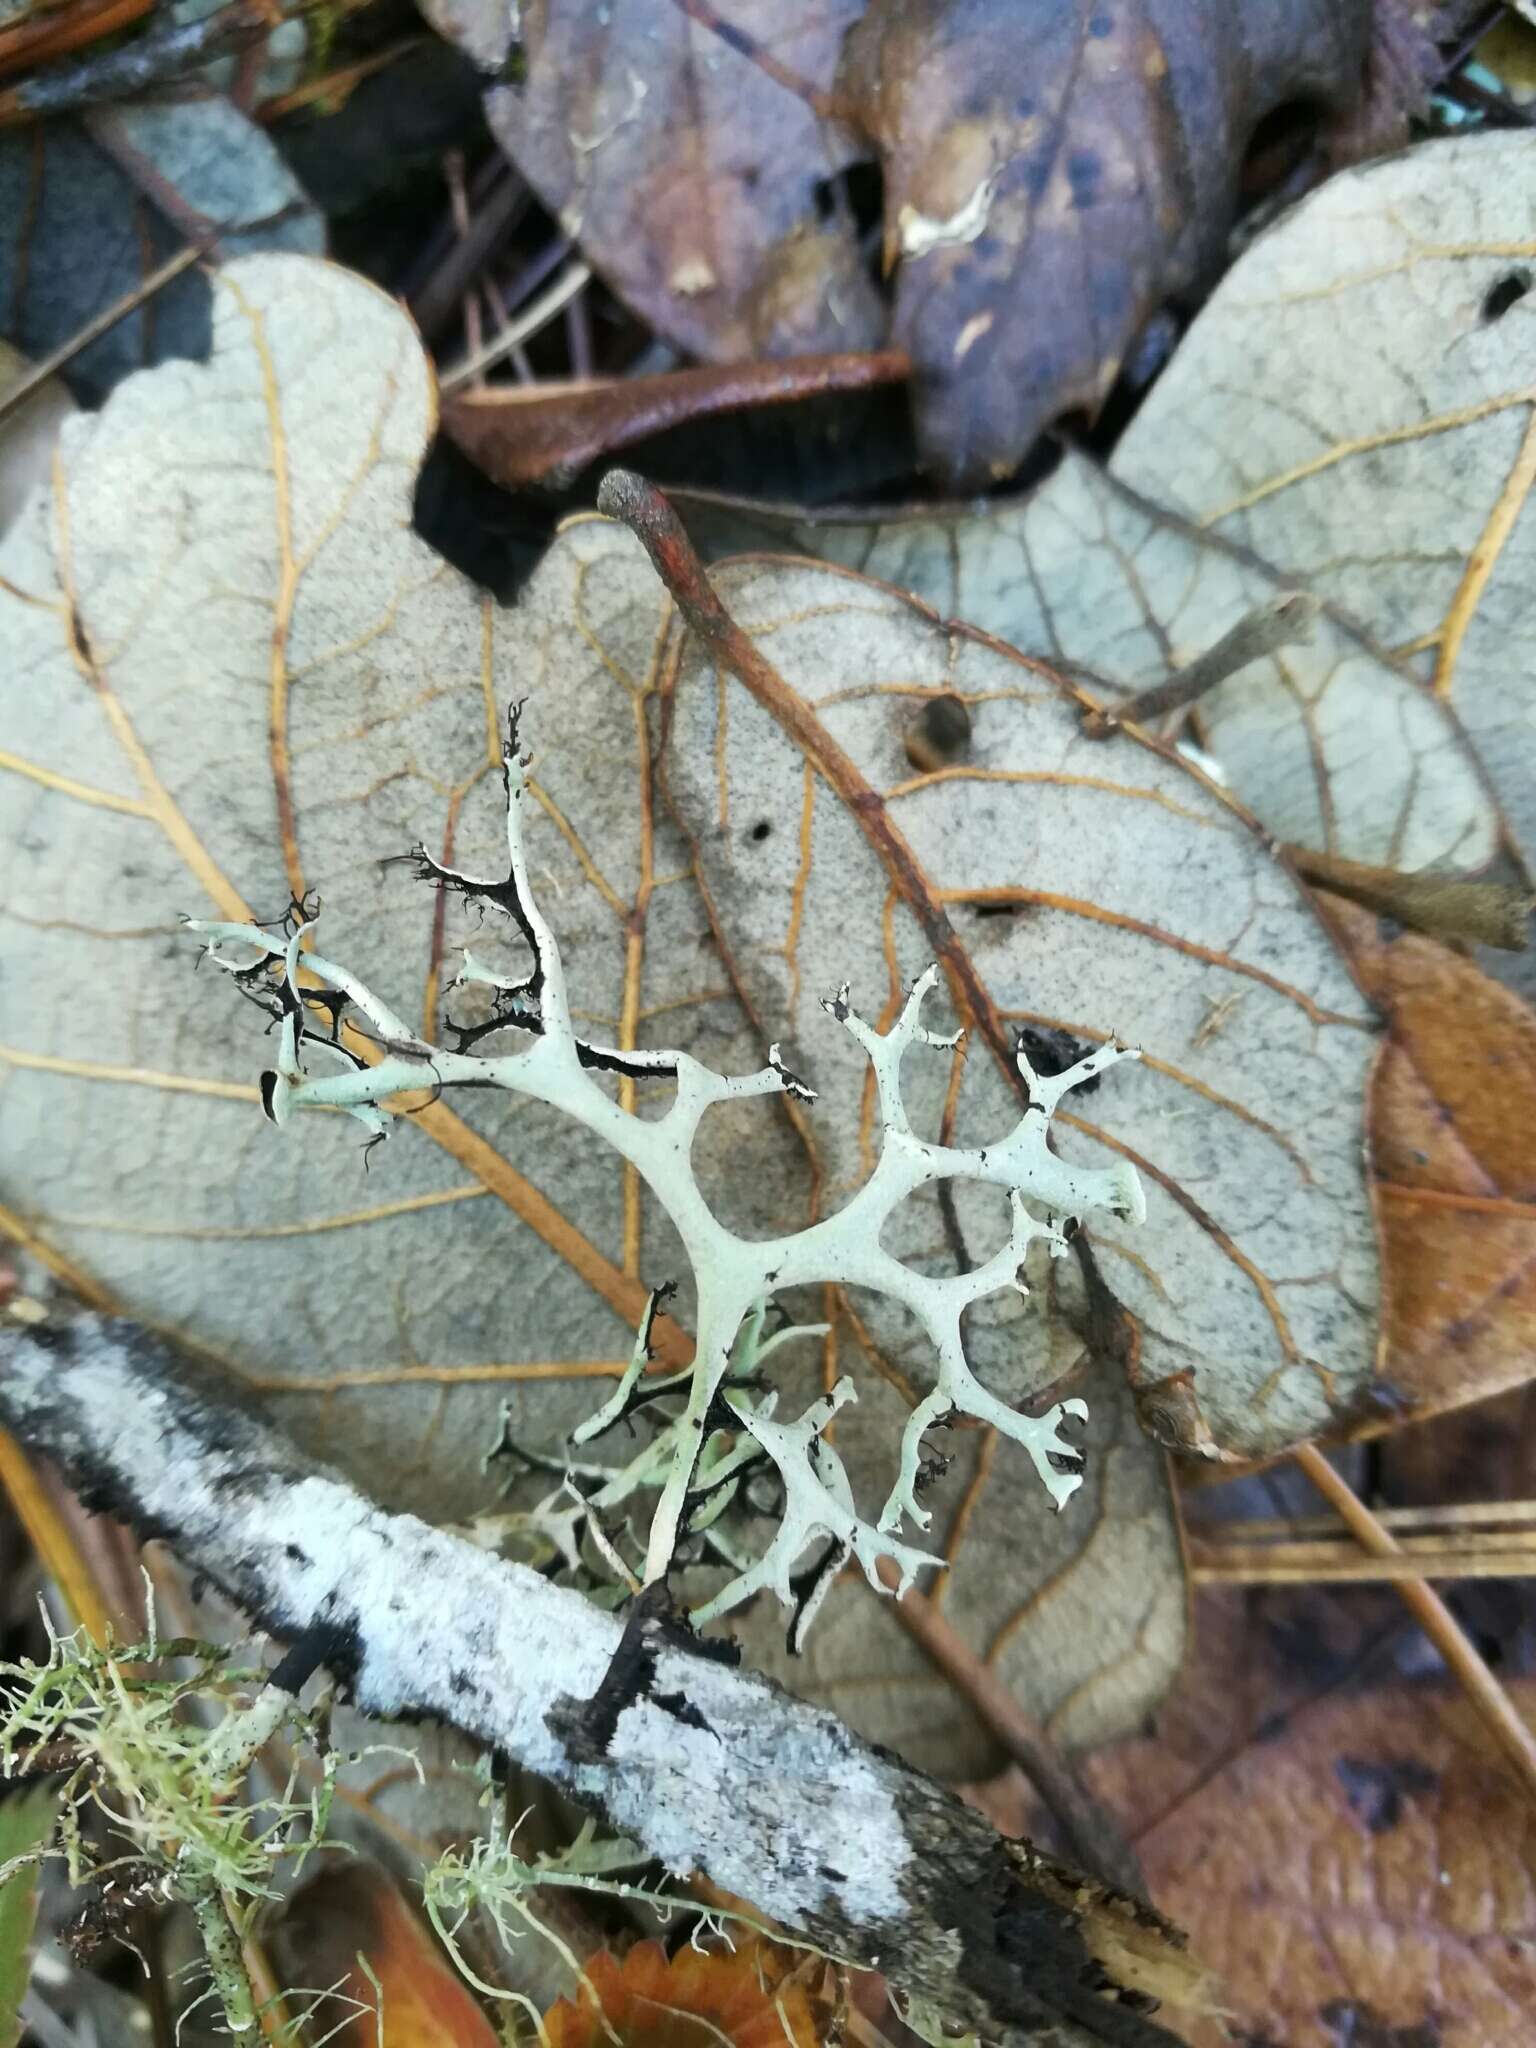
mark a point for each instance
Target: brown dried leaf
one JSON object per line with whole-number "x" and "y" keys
{"x": 519, "y": 433}
{"x": 1454, "y": 1109}
{"x": 1366, "y": 1875}
{"x": 1053, "y": 175}
{"x": 685, "y": 155}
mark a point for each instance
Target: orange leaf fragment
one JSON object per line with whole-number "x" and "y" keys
{"x": 754, "y": 1997}
{"x": 357, "y": 1910}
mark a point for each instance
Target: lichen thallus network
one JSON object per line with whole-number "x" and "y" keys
{"x": 727, "y": 1427}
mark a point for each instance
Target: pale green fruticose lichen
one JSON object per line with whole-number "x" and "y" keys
{"x": 126, "y": 1724}
{"x": 312, "y": 998}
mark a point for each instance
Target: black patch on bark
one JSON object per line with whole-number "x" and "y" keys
{"x": 332, "y": 1640}
{"x": 653, "y": 1624}
{"x": 586, "y": 1728}
{"x": 681, "y": 1708}
{"x": 1023, "y": 1962}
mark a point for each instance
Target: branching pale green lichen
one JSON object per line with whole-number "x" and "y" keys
{"x": 312, "y": 999}
{"x": 124, "y": 1723}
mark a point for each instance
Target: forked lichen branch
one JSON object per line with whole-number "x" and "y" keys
{"x": 311, "y": 998}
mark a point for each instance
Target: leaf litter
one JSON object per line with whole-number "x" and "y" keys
{"x": 1378, "y": 744}
{"x": 365, "y": 677}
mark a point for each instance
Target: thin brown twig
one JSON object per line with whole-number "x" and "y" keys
{"x": 1090, "y": 1834}
{"x": 1494, "y": 1707}
{"x": 1456, "y": 1515}
{"x": 826, "y": 106}
{"x": 543, "y": 309}
{"x": 156, "y": 58}
{"x": 1274, "y": 1565}
{"x": 1281, "y": 621}
{"x": 337, "y": 84}
{"x": 98, "y": 325}
{"x": 458, "y": 200}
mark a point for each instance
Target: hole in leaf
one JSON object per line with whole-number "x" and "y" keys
{"x": 1508, "y": 291}
{"x": 940, "y": 735}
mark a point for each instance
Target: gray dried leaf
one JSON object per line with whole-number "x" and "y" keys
{"x": 1355, "y": 407}
{"x": 1352, "y": 414}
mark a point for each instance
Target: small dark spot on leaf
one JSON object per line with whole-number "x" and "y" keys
{"x": 761, "y": 830}
{"x": 1376, "y": 1791}
{"x": 1508, "y": 291}
{"x": 940, "y": 735}
{"x": 1084, "y": 171}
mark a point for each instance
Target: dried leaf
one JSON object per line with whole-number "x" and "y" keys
{"x": 1355, "y": 407}
{"x": 356, "y": 1911}
{"x": 1053, "y": 175}
{"x": 237, "y": 673}
{"x": 1366, "y": 1875}
{"x": 519, "y": 433}
{"x": 82, "y": 223}
{"x": 1114, "y": 590}
{"x": 779, "y": 897}
{"x": 1076, "y": 889}
{"x": 756, "y": 1995}
{"x": 686, "y": 156}
{"x": 1455, "y": 1105}
{"x": 1352, "y": 413}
